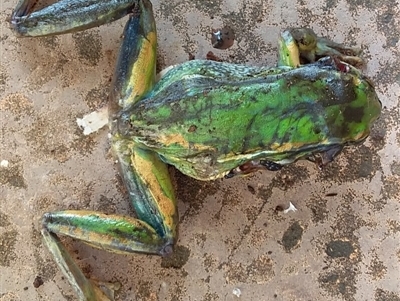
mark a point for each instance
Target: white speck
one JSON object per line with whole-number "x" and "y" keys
{"x": 94, "y": 121}
{"x": 4, "y": 163}
{"x": 237, "y": 292}
{"x": 291, "y": 208}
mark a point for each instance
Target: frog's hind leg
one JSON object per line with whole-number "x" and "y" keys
{"x": 135, "y": 73}
{"x": 151, "y": 192}
{"x": 145, "y": 176}
{"x": 66, "y": 16}
{"x": 86, "y": 290}
{"x": 301, "y": 45}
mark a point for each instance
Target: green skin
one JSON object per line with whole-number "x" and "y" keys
{"x": 206, "y": 118}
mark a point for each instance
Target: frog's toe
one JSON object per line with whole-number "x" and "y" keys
{"x": 352, "y": 60}
{"x": 350, "y": 55}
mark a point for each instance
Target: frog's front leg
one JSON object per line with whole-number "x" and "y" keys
{"x": 301, "y": 45}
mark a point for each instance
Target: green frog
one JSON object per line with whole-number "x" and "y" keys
{"x": 208, "y": 119}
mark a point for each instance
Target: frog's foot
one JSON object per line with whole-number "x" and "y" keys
{"x": 108, "y": 288}
{"x": 350, "y": 55}
{"x": 301, "y": 45}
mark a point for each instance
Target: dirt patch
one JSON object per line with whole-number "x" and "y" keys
{"x": 339, "y": 248}
{"x": 292, "y": 237}
{"x": 88, "y": 45}
{"x": 7, "y": 247}
{"x": 259, "y": 271}
{"x": 177, "y": 259}
{"x": 13, "y": 175}
{"x": 18, "y": 104}
{"x": 382, "y": 295}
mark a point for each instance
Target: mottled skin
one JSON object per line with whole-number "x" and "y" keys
{"x": 206, "y": 118}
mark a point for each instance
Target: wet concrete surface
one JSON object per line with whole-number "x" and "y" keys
{"x": 343, "y": 242}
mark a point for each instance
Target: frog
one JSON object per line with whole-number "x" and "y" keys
{"x": 208, "y": 119}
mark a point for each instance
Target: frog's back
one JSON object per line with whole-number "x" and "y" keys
{"x": 209, "y": 117}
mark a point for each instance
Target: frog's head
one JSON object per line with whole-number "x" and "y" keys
{"x": 360, "y": 112}
{"x": 338, "y": 109}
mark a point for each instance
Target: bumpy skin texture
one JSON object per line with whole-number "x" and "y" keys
{"x": 207, "y": 118}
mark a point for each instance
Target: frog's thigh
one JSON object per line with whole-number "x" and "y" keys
{"x": 136, "y": 65}
{"x": 151, "y": 192}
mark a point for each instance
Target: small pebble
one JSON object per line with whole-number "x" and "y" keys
{"x": 38, "y": 282}
{"x": 223, "y": 38}
{"x": 4, "y": 163}
{"x": 237, "y": 292}
{"x": 291, "y": 208}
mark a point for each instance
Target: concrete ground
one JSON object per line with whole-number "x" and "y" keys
{"x": 343, "y": 243}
